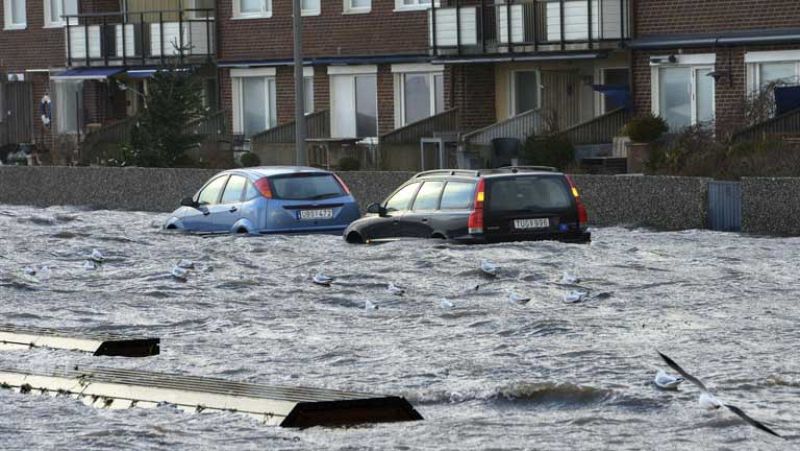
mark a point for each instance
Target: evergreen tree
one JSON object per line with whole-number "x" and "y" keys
{"x": 161, "y": 138}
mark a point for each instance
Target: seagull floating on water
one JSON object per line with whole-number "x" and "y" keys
{"x": 574, "y": 297}
{"x": 446, "y": 303}
{"x": 569, "y": 279}
{"x": 179, "y": 273}
{"x": 515, "y": 298}
{"x": 89, "y": 265}
{"x": 29, "y": 270}
{"x": 368, "y": 305}
{"x": 710, "y": 402}
{"x": 395, "y": 290}
{"x": 185, "y": 264}
{"x": 322, "y": 279}
{"x": 667, "y": 381}
{"x": 489, "y": 267}
{"x": 97, "y": 256}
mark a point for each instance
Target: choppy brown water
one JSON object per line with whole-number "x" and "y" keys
{"x": 484, "y": 374}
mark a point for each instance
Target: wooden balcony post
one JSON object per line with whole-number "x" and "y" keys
{"x": 458, "y": 27}
{"x": 561, "y": 22}
{"x": 433, "y": 27}
{"x": 589, "y": 16}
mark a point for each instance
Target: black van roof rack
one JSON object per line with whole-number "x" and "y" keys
{"x": 471, "y": 173}
{"x": 529, "y": 168}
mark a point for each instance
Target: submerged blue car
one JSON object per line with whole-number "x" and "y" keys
{"x": 270, "y": 199}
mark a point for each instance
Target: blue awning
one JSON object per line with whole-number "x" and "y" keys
{"x": 87, "y": 73}
{"x": 140, "y": 73}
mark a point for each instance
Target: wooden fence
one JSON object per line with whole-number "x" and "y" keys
{"x": 785, "y": 124}
{"x": 317, "y": 126}
{"x": 599, "y": 130}
{"x": 447, "y": 121}
{"x": 520, "y": 126}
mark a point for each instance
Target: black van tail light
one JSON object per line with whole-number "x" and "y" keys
{"x": 583, "y": 216}
{"x": 263, "y": 187}
{"x": 475, "y": 223}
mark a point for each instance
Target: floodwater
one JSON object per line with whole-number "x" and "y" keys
{"x": 485, "y": 373}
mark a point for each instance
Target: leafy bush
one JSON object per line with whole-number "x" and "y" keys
{"x": 645, "y": 129}
{"x": 551, "y": 150}
{"x": 250, "y": 159}
{"x": 349, "y": 164}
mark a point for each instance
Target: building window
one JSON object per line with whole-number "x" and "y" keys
{"x": 412, "y": 5}
{"x": 357, "y": 6}
{"x": 308, "y": 94}
{"x": 419, "y": 92}
{"x": 524, "y": 91}
{"x": 310, "y": 7}
{"x": 684, "y": 95}
{"x": 15, "y": 16}
{"x": 253, "y": 100}
{"x": 354, "y": 100}
{"x": 68, "y": 100}
{"x": 617, "y": 78}
{"x": 55, "y": 9}
{"x": 249, "y": 9}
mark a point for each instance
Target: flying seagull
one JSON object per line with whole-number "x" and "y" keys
{"x": 666, "y": 381}
{"x": 710, "y": 402}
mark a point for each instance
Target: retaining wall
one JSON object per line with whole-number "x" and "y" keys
{"x": 669, "y": 203}
{"x": 770, "y": 206}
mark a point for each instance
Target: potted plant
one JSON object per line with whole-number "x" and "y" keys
{"x": 642, "y": 131}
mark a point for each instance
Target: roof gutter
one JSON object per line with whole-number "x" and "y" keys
{"x": 764, "y": 38}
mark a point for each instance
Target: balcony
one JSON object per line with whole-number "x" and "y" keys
{"x": 148, "y": 37}
{"x": 527, "y": 26}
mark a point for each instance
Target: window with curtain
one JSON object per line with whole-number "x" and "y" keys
{"x": 252, "y": 8}
{"x": 525, "y": 91}
{"x": 421, "y": 96}
{"x": 310, "y": 7}
{"x": 255, "y": 104}
{"x": 355, "y": 105}
{"x": 67, "y": 108}
{"x": 15, "y": 15}
{"x": 357, "y": 6}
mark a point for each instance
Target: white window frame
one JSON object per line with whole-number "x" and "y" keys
{"x": 265, "y": 13}
{"x": 400, "y": 6}
{"x": 312, "y": 12}
{"x": 754, "y": 60}
{"x": 348, "y": 8}
{"x": 702, "y": 61}
{"x": 236, "y": 96}
{"x": 8, "y": 16}
{"x": 308, "y": 74}
{"x": 512, "y": 90}
{"x": 400, "y": 71}
{"x": 352, "y": 72}
{"x": 61, "y": 22}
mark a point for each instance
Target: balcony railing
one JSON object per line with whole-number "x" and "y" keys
{"x": 509, "y": 26}
{"x": 148, "y": 37}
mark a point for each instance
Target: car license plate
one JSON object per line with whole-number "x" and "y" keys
{"x": 322, "y": 213}
{"x": 536, "y": 223}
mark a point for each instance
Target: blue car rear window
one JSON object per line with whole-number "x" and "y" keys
{"x": 306, "y": 187}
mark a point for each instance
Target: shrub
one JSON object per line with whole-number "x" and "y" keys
{"x": 250, "y": 159}
{"x": 551, "y": 150}
{"x": 645, "y": 129}
{"x": 349, "y": 164}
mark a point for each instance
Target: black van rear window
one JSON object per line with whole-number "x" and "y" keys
{"x": 528, "y": 193}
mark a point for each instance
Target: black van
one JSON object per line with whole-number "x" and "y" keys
{"x": 513, "y": 203}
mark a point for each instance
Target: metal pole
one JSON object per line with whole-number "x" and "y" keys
{"x": 299, "y": 113}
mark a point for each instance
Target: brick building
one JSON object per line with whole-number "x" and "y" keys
{"x": 698, "y": 61}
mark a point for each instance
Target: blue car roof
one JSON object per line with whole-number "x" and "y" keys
{"x": 267, "y": 171}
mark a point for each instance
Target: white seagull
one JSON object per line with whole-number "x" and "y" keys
{"x": 569, "y": 279}
{"x": 710, "y": 402}
{"x": 97, "y": 256}
{"x": 89, "y": 265}
{"x": 667, "y": 381}
{"x": 368, "y": 305}
{"x": 29, "y": 270}
{"x": 573, "y": 297}
{"x": 517, "y": 299}
{"x": 446, "y": 303}
{"x": 395, "y": 290}
{"x": 489, "y": 267}
{"x": 185, "y": 264}
{"x": 322, "y": 279}
{"x": 179, "y": 273}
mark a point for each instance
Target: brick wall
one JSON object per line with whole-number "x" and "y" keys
{"x": 684, "y": 17}
{"x": 380, "y": 32}
{"x": 471, "y": 89}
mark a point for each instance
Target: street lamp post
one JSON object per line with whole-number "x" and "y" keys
{"x": 299, "y": 110}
